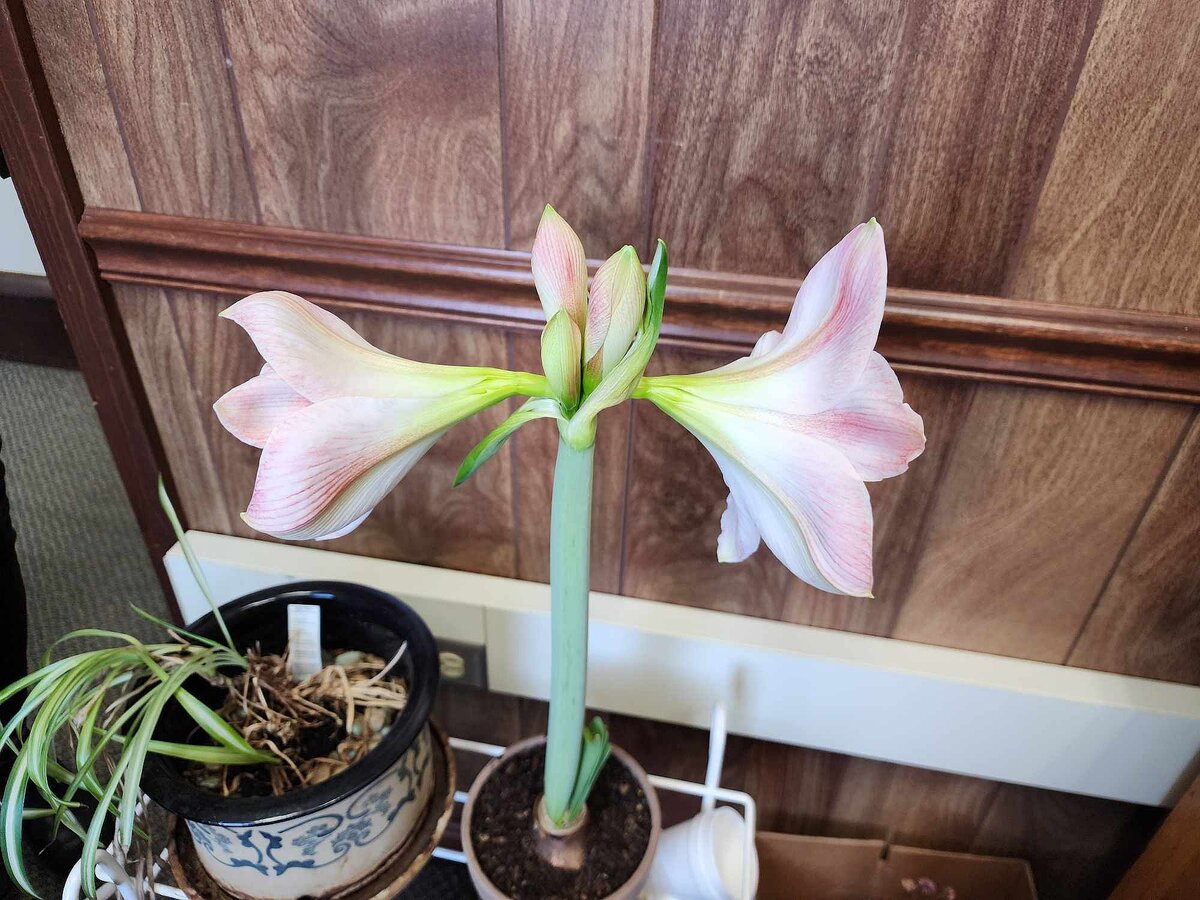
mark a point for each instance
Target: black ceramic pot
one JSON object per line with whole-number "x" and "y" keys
{"x": 325, "y": 839}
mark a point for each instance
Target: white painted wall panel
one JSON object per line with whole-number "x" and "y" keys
{"x": 994, "y": 717}
{"x": 17, "y": 251}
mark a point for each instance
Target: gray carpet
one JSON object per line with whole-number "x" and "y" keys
{"x": 81, "y": 552}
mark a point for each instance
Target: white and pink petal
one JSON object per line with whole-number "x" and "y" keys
{"x": 253, "y": 409}
{"x": 872, "y": 427}
{"x": 321, "y": 357}
{"x": 829, "y": 338}
{"x": 327, "y": 466}
{"x": 802, "y": 496}
{"x": 560, "y": 268}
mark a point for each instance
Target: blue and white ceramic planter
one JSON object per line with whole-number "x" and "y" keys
{"x": 324, "y": 852}
{"x": 325, "y": 840}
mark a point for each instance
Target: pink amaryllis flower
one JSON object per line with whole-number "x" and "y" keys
{"x": 801, "y": 423}
{"x": 340, "y": 422}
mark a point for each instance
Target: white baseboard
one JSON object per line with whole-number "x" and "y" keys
{"x": 976, "y": 714}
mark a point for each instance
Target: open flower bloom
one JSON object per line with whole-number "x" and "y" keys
{"x": 798, "y": 425}
{"x": 340, "y": 422}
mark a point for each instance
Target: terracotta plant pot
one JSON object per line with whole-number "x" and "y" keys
{"x": 324, "y": 840}
{"x": 483, "y": 884}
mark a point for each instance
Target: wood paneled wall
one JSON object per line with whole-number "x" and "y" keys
{"x": 1030, "y": 150}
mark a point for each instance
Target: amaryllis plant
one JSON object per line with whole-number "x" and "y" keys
{"x": 796, "y": 428}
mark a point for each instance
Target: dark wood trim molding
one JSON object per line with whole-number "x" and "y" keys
{"x": 986, "y": 338}
{"x": 45, "y": 180}
{"x": 32, "y": 331}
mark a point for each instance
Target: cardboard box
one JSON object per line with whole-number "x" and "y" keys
{"x": 797, "y": 867}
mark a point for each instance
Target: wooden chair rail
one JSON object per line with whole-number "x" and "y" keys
{"x": 988, "y": 338}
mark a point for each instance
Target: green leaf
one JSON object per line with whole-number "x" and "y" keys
{"x": 192, "y": 561}
{"x": 216, "y": 756}
{"x": 133, "y": 757}
{"x": 217, "y": 728}
{"x": 539, "y": 408}
{"x": 175, "y": 629}
{"x": 36, "y": 697}
{"x": 596, "y": 750}
{"x": 91, "y": 839}
{"x": 12, "y": 816}
{"x": 47, "y": 671}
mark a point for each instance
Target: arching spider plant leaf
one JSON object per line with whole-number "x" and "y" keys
{"x": 192, "y": 561}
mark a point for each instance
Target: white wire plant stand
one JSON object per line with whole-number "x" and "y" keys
{"x": 116, "y": 881}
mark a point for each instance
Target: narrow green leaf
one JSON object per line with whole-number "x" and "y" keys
{"x": 12, "y": 809}
{"x": 54, "y": 714}
{"x": 91, "y": 839}
{"x": 36, "y": 697}
{"x": 92, "y": 785}
{"x": 192, "y": 561}
{"x": 47, "y": 671}
{"x": 133, "y": 756}
{"x": 86, "y": 775}
{"x": 172, "y": 627}
{"x": 596, "y": 750}
{"x": 539, "y": 408}
{"x": 214, "y": 726}
{"x": 217, "y": 756}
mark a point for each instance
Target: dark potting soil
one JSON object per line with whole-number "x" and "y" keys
{"x": 502, "y": 831}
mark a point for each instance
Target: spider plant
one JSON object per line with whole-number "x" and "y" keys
{"x": 87, "y": 721}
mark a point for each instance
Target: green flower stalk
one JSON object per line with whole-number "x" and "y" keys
{"x": 570, "y": 544}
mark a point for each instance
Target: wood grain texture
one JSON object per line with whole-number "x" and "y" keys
{"x": 778, "y": 126}
{"x": 71, "y": 59}
{"x": 372, "y": 118}
{"x": 181, "y": 413}
{"x": 976, "y": 111}
{"x": 1115, "y": 222}
{"x": 1079, "y": 846}
{"x": 1148, "y": 619}
{"x": 769, "y": 118}
{"x": 1170, "y": 867}
{"x": 535, "y": 447}
{"x": 1033, "y": 509}
{"x": 166, "y": 71}
{"x": 986, "y": 338}
{"x": 576, "y": 118}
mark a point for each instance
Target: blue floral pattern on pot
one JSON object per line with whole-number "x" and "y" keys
{"x": 389, "y": 808}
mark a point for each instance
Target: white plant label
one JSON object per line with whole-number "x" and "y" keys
{"x": 304, "y": 641}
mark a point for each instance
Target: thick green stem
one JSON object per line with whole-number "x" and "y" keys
{"x": 570, "y": 539}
